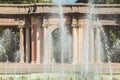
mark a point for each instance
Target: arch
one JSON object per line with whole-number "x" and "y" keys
{"x": 56, "y": 36}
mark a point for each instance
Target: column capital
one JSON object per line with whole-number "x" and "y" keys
{"x": 20, "y": 26}
{"x": 45, "y": 22}
{"x": 81, "y": 23}
{"x": 27, "y": 26}
{"x": 81, "y": 26}
{"x": 35, "y": 20}
{"x": 74, "y": 26}
{"x": 68, "y": 20}
{"x": 74, "y": 22}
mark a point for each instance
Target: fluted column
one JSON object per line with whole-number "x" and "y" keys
{"x": 92, "y": 44}
{"x": 21, "y": 45}
{"x": 27, "y": 45}
{"x": 75, "y": 38}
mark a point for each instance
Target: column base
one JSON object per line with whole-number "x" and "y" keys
{"x": 27, "y": 62}
{"x": 38, "y": 62}
{"x": 33, "y": 62}
{"x": 47, "y": 62}
{"x": 98, "y": 61}
{"x": 74, "y": 62}
{"x": 21, "y": 62}
{"x": 92, "y": 62}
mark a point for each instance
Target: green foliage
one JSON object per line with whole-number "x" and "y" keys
{"x": 113, "y": 34}
{"x": 115, "y": 56}
{"x": 117, "y": 1}
{"x": 1, "y": 30}
{"x": 58, "y": 45}
{"x": 24, "y": 1}
{"x": 100, "y": 1}
{"x": 109, "y": 1}
{"x": 8, "y": 45}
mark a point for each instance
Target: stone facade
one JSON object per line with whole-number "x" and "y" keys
{"x": 37, "y": 24}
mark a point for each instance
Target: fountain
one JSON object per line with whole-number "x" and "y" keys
{"x": 90, "y": 68}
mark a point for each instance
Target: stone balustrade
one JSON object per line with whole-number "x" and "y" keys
{"x": 53, "y": 8}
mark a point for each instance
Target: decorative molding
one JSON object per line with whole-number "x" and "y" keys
{"x": 45, "y": 22}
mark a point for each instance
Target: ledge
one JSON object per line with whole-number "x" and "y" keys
{"x": 53, "y": 8}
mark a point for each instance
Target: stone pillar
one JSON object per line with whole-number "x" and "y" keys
{"x": 81, "y": 25}
{"x": 45, "y": 25}
{"x": 34, "y": 30}
{"x": 75, "y": 44}
{"x": 27, "y": 45}
{"x": 80, "y": 48}
{"x": 21, "y": 45}
{"x": 92, "y": 44}
{"x": 38, "y": 44}
{"x": 98, "y": 45}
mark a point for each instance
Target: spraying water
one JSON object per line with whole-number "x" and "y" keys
{"x": 98, "y": 29}
{"x": 65, "y": 39}
{"x": 87, "y": 39}
{"x": 62, "y": 30}
{"x": 92, "y": 42}
{"x": 107, "y": 50}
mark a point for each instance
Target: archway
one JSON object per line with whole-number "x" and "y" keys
{"x": 67, "y": 55}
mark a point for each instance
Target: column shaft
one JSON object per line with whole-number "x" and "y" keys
{"x": 46, "y": 44}
{"x": 98, "y": 45}
{"x": 21, "y": 46}
{"x": 75, "y": 54}
{"x": 34, "y": 30}
{"x": 44, "y": 40}
{"x": 38, "y": 45}
{"x": 27, "y": 45}
{"x": 80, "y": 43}
{"x": 92, "y": 45}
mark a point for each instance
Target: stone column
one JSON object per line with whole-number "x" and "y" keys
{"x": 34, "y": 30}
{"x": 38, "y": 44}
{"x": 21, "y": 45}
{"x": 45, "y": 25}
{"x": 81, "y": 25}
{"x": 92, "y": 44}
{"x": 74, "y": 31}
{"x": 80, "y": 32}
{"x": 98, "y": 45}
{"x": 27, "y": 45}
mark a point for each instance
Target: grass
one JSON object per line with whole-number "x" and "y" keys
{"x": 54, "y": 76}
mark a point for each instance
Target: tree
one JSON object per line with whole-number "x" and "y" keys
{"x": 115, "y": 56}
{"x": 9, "y": 46}
{"x": 82, "y": 1}
{"x": 113, "y": 41}
{"x": 100, "y": 1}
{"x": 24, "y": 1}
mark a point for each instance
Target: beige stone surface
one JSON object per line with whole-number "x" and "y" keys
{"x": 24, "y": 68}
{"x": 53, "y": 8}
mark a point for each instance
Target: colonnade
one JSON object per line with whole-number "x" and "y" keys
{"x": 34, "y": 48}
{"x": 32, "y": 41}
{"x": 79, "y": 27}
